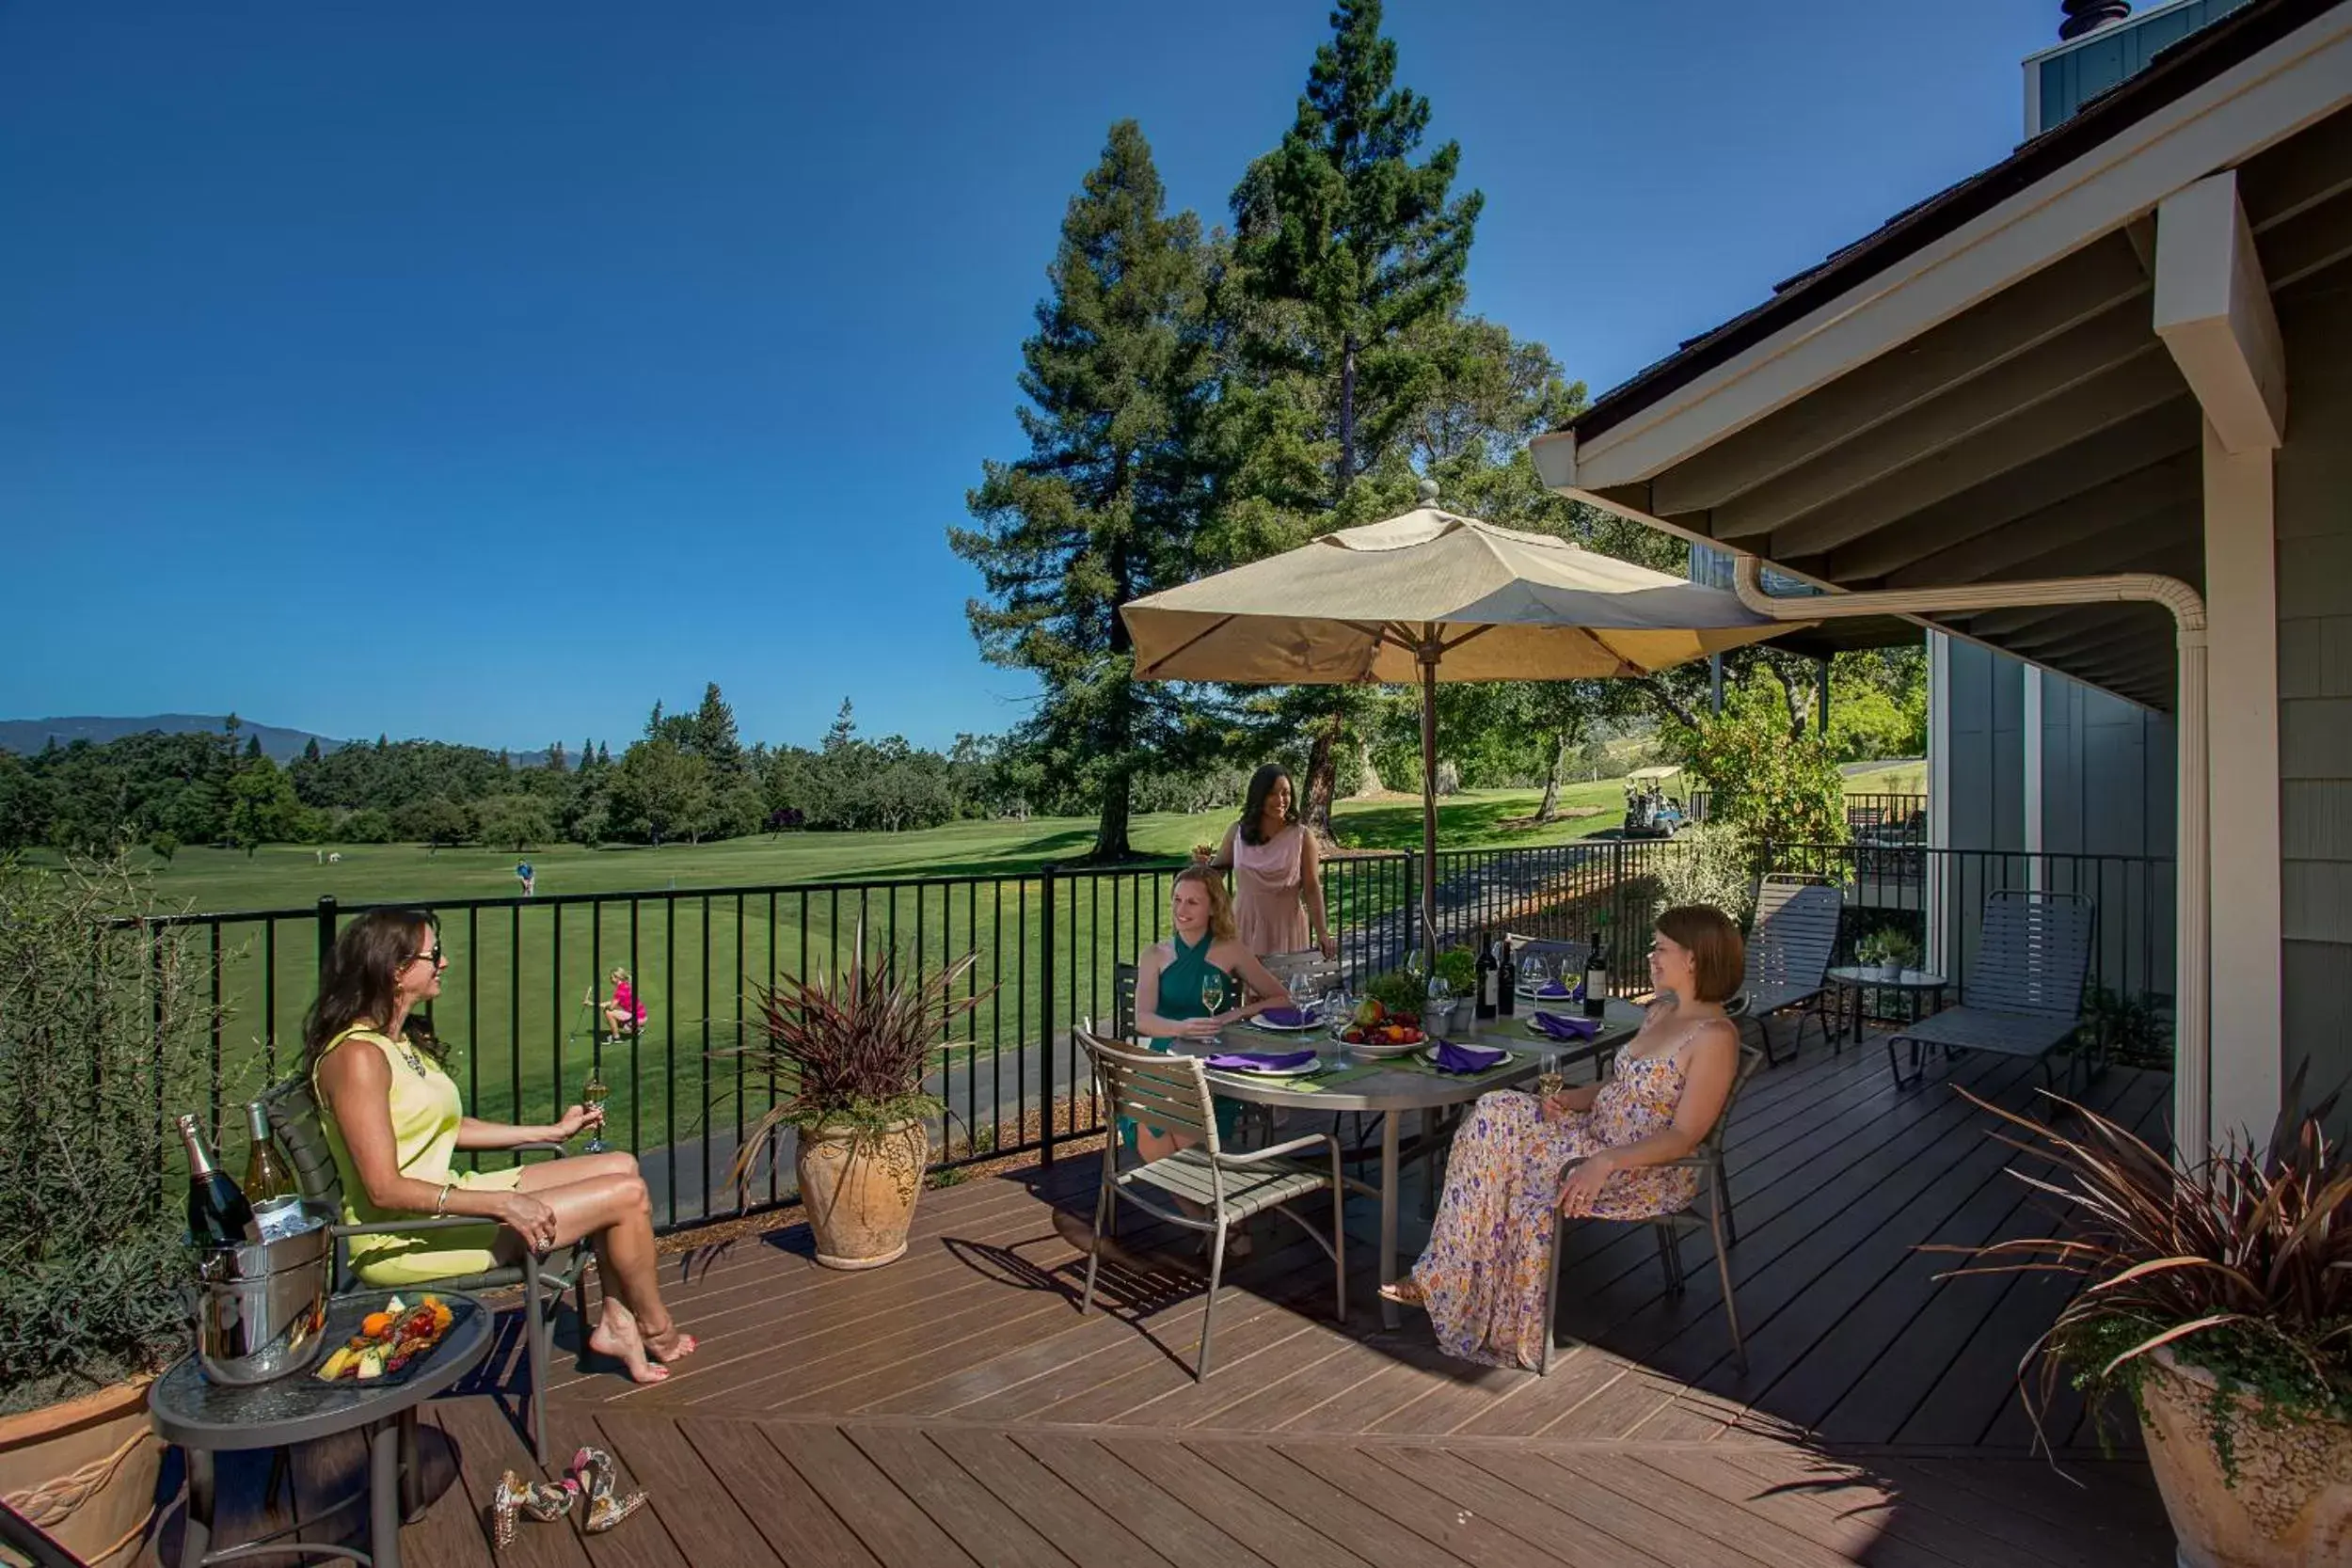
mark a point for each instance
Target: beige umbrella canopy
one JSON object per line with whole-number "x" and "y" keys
{"x": 1431, "y": 596}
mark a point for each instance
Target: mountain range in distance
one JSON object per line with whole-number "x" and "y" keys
{"x": 27, "y": 736}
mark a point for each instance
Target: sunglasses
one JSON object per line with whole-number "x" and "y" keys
{"x": 432, "y": 955}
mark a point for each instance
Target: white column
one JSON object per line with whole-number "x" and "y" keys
{"x": 2242, "y": 676}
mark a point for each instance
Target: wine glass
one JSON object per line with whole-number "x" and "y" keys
{"x": 1213, "y": 991}
{"x": 1532, "y": 976}
{"x": 1339, "y": 1016}
{"x": 593, "y": 1095}
{"x": 1549, "y": 1080}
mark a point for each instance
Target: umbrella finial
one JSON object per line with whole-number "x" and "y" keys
{"x": 1428, "y": 492}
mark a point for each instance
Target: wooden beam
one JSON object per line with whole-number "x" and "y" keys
{"x": 2307, "y": 169}
{"x": 2213, "y": 313}
{"x": 1973, "y": 547}
{"x": 2172, "y": 531}
{"x": 1971, "y": 413}
{"x": 2112, "y": 398}
{"x": 2075, "y": 290}
{"x": 2310, "y": 243}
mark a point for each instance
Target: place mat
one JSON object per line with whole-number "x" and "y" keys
{"x": 1525, "y": 1061}
{"x": 1315, "y": 1085}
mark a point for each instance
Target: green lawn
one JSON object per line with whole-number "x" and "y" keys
{"x": 1902, "y": 777}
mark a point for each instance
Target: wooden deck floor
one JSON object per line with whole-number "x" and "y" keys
{"x": 955, "y": 1407}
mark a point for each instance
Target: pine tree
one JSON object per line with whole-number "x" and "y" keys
{"x": 311, "y": 749}
{"x": 714, "y": 736}
{"x": 1346, "y": 253}
{"x": 557, "y": 762}
{"x": 843, "y": 729}
{"x": 1109, "y": 501}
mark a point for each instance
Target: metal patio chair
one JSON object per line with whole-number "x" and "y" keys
{"x": 295, "y": 1117}
{"x": 1790, "y": 948}
{"x": 1715, "y": 1183}
{"x": 1171, "y": 1092}
{"x": 2023, "y": 996}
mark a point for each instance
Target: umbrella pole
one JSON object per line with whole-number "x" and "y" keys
{"x": 1430, "y": 651}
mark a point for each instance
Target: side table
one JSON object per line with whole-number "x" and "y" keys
{"x": 1911, "y": 984}
{"x": 204, "y": 1419}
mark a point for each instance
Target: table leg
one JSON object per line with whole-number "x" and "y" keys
{"x": 1391, "y": 1315}
{"x": 195, "y": 1535}
{"x": 411, "y": 1473}
{"x": 384, "y": 1494}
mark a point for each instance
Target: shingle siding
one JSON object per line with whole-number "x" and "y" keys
{"x": 2314, "y": 524}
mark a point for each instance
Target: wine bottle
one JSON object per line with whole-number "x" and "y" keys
{"x": 219, "y": 1215}
{"x": 266, "y": 1173}
{"x": 1506, "y": 981}
{"x": 1595, "y": 981}
{"x": 1487, "y": 970}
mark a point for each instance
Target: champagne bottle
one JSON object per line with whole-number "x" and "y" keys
{"x": 1506, "y": 981}
{"x": 219, "y": 1215}
{"x": 267, "y": 1172}
{"x": 1487, "y": 970}
{"x": 1596, "y": 980}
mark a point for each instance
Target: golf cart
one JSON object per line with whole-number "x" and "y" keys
{"x": 1650, "y": 812}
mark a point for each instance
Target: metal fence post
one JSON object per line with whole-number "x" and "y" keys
{"x": 1046, "y": 1015}
{"x": 326, "y": 930}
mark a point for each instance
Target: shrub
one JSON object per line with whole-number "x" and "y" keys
{"x": 1778, "y": 789}
{"x": 102, "y": 1029}
{"x": 1714, "y": 863}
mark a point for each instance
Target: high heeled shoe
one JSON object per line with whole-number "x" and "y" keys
{"x": 544, "y": 1500}
{"x": 594, "y": 1470}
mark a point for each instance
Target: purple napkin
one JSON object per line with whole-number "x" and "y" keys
{"x": 1467, "y": 1058}
{"x": 1260, "y": 1061}
{"x": 1288, "y": 1017}
{"x": 1565, "y": 1028}
{"x": 1552, "y": 991}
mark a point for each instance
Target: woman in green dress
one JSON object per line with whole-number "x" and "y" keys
{"x": 1174, "y": 983}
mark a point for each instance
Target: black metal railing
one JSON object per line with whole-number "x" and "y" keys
{"x": 517, "y": 1007}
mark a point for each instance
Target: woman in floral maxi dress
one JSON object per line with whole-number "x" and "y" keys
{"x": 1482, "y": 1278}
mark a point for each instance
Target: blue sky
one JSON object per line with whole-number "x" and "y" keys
{"x": 489, "y": 370}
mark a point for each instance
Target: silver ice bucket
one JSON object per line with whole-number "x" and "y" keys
{"x": 260, "y": 1307}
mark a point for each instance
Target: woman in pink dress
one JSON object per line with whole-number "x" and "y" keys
{"x": 1277, "y": 871}
{"x": 1482, "y": 1278}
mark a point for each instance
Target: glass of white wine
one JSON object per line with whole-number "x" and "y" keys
{"x": 1213, "y": 991}
{"x": 593, "y": 1094}
{"x": 1548, "y": 1083}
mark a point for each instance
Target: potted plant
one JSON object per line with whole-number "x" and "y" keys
{"x": 2220, "y": 1298}
{"x": 103, "y": 1027}
{"x": 855, "y": 1046}
{"x": 1888, "y": 951}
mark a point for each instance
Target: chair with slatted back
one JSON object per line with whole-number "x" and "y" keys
{"x": 1564, "y": 961}
{"x": 1790, "y": 947}
{"x": 1201, "y": 1187}
{"x": 1123, "y": 1001}
{"x": 2024, "y": 994}
{"x": 1715, "y": 1182}
{"x": 1306, "y": 975}
{"x": 294, "y": 1117}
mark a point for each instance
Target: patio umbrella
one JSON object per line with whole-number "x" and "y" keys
{"x": 1432, "y": 596}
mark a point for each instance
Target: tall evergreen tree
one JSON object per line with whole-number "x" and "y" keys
{"x": 715, "y": 738}
{"x": 1107, "y": 504}
{"x": 1346, "y": 253}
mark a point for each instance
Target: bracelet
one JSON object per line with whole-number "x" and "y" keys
{"x": 440, "y": 1205}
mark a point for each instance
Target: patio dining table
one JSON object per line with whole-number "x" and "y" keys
{"x": 1392, "y": 1086}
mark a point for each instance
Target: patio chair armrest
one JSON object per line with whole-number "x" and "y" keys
{"x": 422, "y": 1222}
{"x": 1313, "y": 1140}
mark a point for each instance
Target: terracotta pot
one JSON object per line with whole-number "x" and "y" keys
{"x": 2291, "y": 1506}
{"x": 859, "y": 1190}
{"x": 85, "y": 1471}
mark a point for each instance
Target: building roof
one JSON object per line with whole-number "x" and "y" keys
{"x": 2172, "y": 73}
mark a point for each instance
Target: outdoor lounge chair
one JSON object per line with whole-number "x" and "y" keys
{"x": 1172, "y": 1092}
{"x": 2024, "y": 993}
{"x": 1788, "y": 955}
{"x": 294, "y": 1115}
{"x": 1708, "y": 1159}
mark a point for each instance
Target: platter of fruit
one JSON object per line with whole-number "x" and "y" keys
{"x": 1374, "y": 1031}
{"x": 389, "y": 1343}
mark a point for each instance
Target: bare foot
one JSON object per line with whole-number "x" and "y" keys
{"x": 624, "y": 1344}
{"x": 670, "y": 1344}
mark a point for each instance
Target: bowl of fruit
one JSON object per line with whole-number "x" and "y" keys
{"x": 391, "y": 1342}
{"x": 1376, "y": 1031}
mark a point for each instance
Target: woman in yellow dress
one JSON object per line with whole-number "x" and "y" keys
{"x": 393, "y": 1118}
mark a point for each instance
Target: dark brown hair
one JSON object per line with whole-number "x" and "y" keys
{"x": 1719, "y": 958}
{"x": 357, "y": 985}
{"x": 1262, "y": 784}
